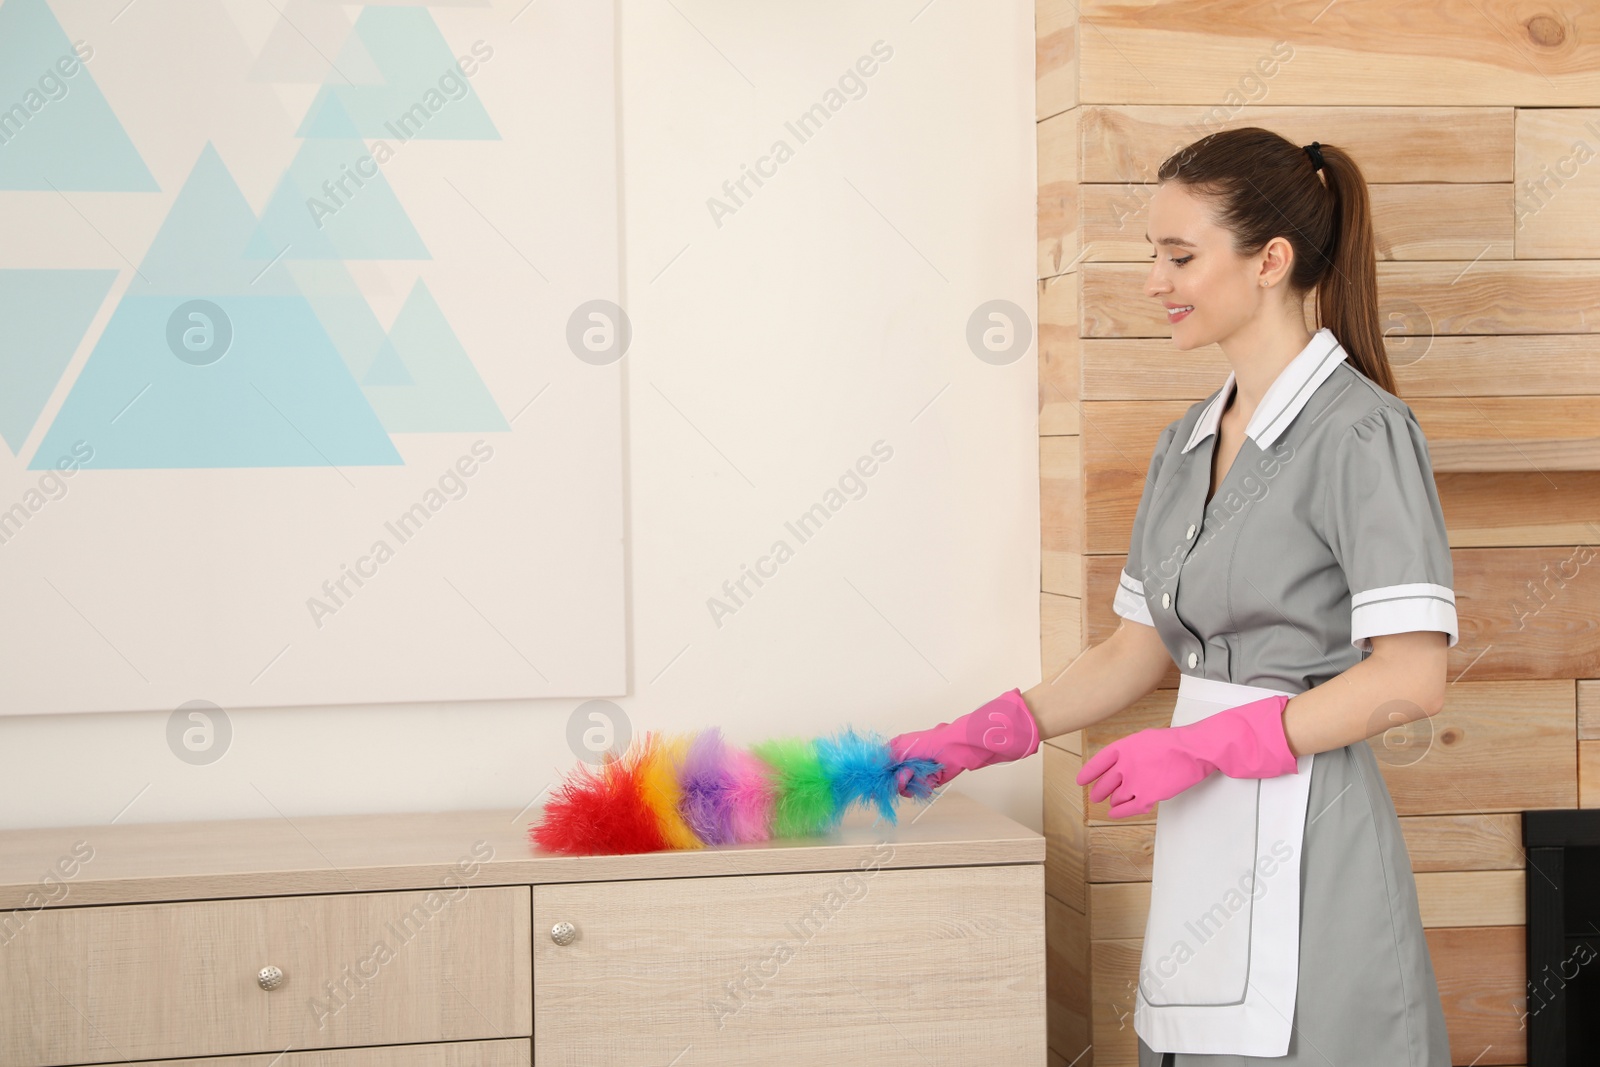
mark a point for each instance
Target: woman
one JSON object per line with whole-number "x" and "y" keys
{"x": 1290, "y": 555}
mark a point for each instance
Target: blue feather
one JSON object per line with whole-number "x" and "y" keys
{"x": 861, "y": 769}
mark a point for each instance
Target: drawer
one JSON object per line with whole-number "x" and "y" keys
{"x": 892, "y": 967}
{"x": 146, "y": 981}
{"x": 455, "y": 1054}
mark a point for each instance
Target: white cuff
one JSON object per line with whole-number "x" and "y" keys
{"x": 1398, "y": 609}
{"x": 1129, "y": 602}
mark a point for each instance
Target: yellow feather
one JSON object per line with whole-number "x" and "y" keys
{"x": 659, "y": 788}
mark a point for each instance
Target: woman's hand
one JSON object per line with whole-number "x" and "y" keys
{"x": 1000, "y": 731}
{"x": 1140, "y": 770}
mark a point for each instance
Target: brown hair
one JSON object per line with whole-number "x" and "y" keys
{"x": 1262, "y": 186}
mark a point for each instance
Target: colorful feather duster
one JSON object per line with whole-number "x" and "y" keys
{"x": 689, "y": 791}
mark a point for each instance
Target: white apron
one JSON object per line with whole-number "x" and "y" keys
{"x": 1221, "y": 955}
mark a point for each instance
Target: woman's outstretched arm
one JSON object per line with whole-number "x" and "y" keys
{"x": 1104, "y": 679}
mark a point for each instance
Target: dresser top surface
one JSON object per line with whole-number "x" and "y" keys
{"x": 287, "y": 855}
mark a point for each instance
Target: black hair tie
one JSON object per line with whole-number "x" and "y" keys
{"x": 1314, "y": 150}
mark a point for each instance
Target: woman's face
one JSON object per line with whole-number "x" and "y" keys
{"x": 1224, "y": 289}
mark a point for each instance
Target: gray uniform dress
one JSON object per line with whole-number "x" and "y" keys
{"x": 1325, "y": 532}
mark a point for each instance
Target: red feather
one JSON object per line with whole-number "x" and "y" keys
{"x": 599, "y": 812}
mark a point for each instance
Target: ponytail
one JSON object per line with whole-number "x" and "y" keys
{"x": 1347, "y": 294}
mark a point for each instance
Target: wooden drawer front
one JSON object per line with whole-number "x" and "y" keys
{"x": 888, "y": 967}
{"x": 454, "y": 1054}
{"x": 102, "y": 984}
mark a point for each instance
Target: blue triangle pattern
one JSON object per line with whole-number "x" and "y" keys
{"x": 56, "y": 129}
{"x": 335, "y": 203}
{"x": 447, "y": 394}
{"x": 200, "y": 247}
{"x": 388, "y": 368}
{"x": 199, "y": 367}
{"x": 343, "y": 311}
{"x": 424, "y": 95}
{"x": 45, "y": 313}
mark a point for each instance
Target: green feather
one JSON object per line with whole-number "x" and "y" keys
{"x": 803, "y": 802}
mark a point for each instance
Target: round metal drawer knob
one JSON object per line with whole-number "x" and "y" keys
{"x": 269, "y": 978}
{"x": 562, "y": 933}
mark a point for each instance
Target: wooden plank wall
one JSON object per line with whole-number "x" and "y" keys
{"x": 1478, "y": 127}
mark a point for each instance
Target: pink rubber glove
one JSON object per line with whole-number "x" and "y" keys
{"x": 999, "y": 732}
{"x": 1139, "y": 770}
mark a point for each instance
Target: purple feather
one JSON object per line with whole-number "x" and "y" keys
{"x": 707, "y": 804}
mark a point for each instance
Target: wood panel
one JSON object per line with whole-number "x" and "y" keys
{"x": 1523, "y": 613}
{"x": 1413, "y": 221}
{"x": 1120, "y": 853}
{"x": 1060, "y": 632}
{"x": 454, "y": 1054}
{"x": 1067, "y": 977}
{"x": 1061, "y": 521}
{"x": 1496, "y": 746}
{"x": 90, "y": 985}
{"x": 1537, "y": 435}
{"x": 1112, "y": 986}
{"x": 1149, "y": 368}
{"x": 1064, "y": 828}
{"x": 1511, "y": 433}
{"x": 1473, "y": 842}
{"x": 1550, "y": 296}
{"x": 1515, "y": 509}
{"x": 1125, "y": 144}
{"x": 1472, "y": 898}
{"x": 1589, "y": 774}
{"x": 1060, "y": 516}
{"x": 1355, "y": 53}
{"x": 1118, "y": 442}
{"x": 1589, "y": 710}
{"x": 1547, "y": 296}
{"x": 1558, "y": 190}
{"x": 1118, "y": 910}
{"x": 1527, "y": 613}
{"x": 744, "y": 966}
{"x": 1055, "y": 57}
{"x": 1480, "y": 972}
{"x": 1059, "y": 348}
{"x": 1071, "y": 742}
{"x": 1477, "y": 841}
{"x": 1059, "y": 240}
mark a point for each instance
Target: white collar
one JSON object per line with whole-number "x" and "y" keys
{"x": 1284, "y": 398}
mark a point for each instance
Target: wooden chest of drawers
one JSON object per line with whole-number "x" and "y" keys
{"x": 144, "y": 981}
{"x": 442, "y": 940}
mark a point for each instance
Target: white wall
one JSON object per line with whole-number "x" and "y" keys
{"x": 770, "y": 353}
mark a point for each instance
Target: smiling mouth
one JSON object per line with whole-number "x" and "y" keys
{"x": 1177, "y": 312}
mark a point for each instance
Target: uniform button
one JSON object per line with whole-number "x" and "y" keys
{"x": 1166, "y": 601}
{"x": 1193, "y": 659}
{"x": 1190, "y": 533}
